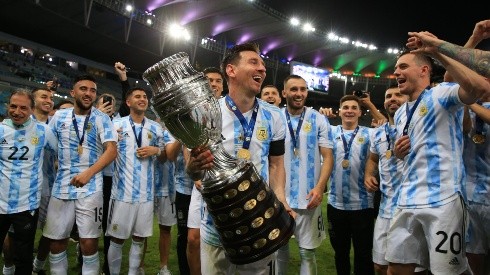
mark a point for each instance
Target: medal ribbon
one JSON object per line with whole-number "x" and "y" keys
{"x": 478, "y": 122}
{"x": 139, "y": 135}
{"x": 347, "y": 146}
{"x": 248, "y": 127}
{"x": 388, "y": 135}
{"x": 75, "y": 124}
{"x": 295, "y": 136}
{"x": 410, "y": 113}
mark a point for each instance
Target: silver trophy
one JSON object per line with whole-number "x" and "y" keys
{"x": 250, "y": 220}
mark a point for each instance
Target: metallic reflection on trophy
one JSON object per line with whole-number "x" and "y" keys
{"x": 250, "y": 220}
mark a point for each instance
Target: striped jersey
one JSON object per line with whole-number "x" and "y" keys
{"x": 49, "y": 169}
{"x": 269, "y": 126}
{"x": 183, "y": 182}
{"x": 433, "y": 170}
{"x": 22, "y": 156}
{"x": 164, "y": 173}
{"x": 303, "y": 168}
{"x": 70, "y": 163}
{"x": 134, "y": 178}
{"x": 477, "y": 162}
{"x": 347, "y": 190}
{"x": 389, "y": 168}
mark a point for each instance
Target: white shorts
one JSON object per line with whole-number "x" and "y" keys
{"x": 213, "y": 261}
{"x": 129, "y": 219}
{"x": 381, "y": 227}
{"x": 43, "y": 212}
{"x": 62, "y": 214}
{"x": 479, "y": 229}
{"x": 310, "y": 229}
{"x": 165, "y": 211}
{"x": 417, "y": 235}
{"x": 194, "y": 217}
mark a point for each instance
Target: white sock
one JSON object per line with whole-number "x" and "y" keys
{"x": 58, "y": 263}
{"x": 135, "y": 254}
{"x": 91, "y": 264}
{"x": 38, "y": 265}
{"x": 308, "y": 261}
{"x": 114, "y": 257}
{"x": 9, "y": 270}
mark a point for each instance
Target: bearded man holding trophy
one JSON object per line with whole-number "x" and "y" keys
{"x": 237, "y": 151}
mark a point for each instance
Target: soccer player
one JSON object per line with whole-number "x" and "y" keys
{"x": 131, "y": 206}
{"x": 86, "y": 144}
{"x": 23, "y": 141}
{"x": 308, "y": 163}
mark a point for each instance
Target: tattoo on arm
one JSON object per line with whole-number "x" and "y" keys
{"x": 475, "y": 59}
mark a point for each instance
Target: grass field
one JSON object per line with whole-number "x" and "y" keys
{"x": 324, "y": 254}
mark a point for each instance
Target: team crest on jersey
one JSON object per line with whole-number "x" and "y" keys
{"x": 423, "y": 110}
{"x": 361, "y": 140}
{"x": 114, "y": 227}
{"x": 150, "y": 135}
{"x": 262, "y": 133}
{"x": 307, "y": 127}
{"x": 34, "y": 140}
{"x": 89, "y": 126}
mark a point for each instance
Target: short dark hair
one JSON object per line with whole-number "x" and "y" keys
{"x": 420, "y": 59}
{"x": 130, "y": 91}
{"x": 35, "y": 90}
{"x": 209, "y": 70}
{"x": 350, "y": 97}
{"x": 24, "y": 93}
{"x": 232, "y": 55}
{"x": 63, "y": 101}
{"x": 84, "y": 77}
{"x": 291, "y": 76}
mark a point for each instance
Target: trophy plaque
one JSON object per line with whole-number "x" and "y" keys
{"x": 252, "y": 223}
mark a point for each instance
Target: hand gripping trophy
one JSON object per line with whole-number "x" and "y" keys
{"x": 251, "y": 221}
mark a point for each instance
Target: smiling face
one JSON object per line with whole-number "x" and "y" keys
{"x": 216, "y": 83}
{"x": 43, "y": 101}
{"x": 84, "y": 92}
{"x": 412, "y": 73}
{"x": 19, "y": 109}
{"x": 270, "y": 94}
{"x": 393, "y": 100}
{"x": 137, "y": 101}
{"x": 349, "y": 112}
{"x": 295, "y": 91}
{"x": 248, "y": 73}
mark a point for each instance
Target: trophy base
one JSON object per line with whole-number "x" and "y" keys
{"x": 252, "y": 223}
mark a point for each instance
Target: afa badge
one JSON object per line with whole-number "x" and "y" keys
{"x": 307, "y": 127}
{"x": 89, "y": 126}
{"x": 423, "y": 110}
{"x": 114, "y": 227}
{"x": 262, "y": 133}
{"x": 149, "y": 135}
{"x": 34, "y": 140}
{"x": 361, "y": 140}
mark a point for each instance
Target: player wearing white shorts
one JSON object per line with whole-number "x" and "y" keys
{"x": 382, "y": 161}
{"x": 133, "y": 188}
{"x": 476, "y": 155}
{"x": 165, "y": 203}
{"x": 264, "y": 128}
{"x": 23, "y": 141}
{"x": 350, "y": 212}
{"x": 428, "y": 228}
{"x": 307, "y": 145}
{"x": 86, "y": 144}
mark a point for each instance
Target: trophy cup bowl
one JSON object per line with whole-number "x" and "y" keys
{"x": 252, "y": 223}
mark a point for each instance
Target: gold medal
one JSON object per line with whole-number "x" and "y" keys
{"x": 296, "y": 152}
{"x": 243, "y": 154}
{"x": 345, "y": 163}
{"x": 80, "y": 149}
{"x": 388, "y": 154}
{"x": 478, "y": 138}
